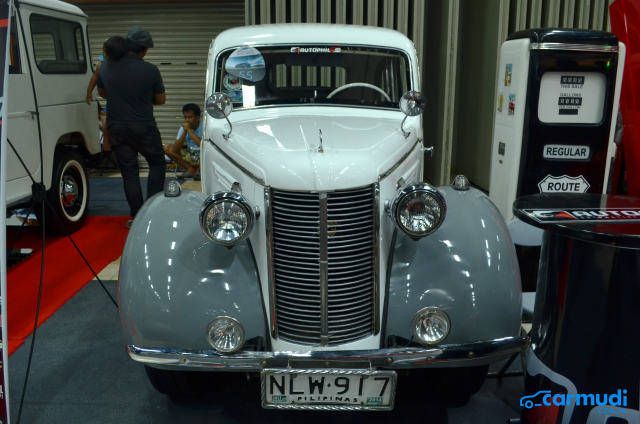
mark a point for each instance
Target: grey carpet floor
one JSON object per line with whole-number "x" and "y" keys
{"x": 82, "y": 374}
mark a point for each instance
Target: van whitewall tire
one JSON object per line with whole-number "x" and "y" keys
{"x": 68, "y": 196}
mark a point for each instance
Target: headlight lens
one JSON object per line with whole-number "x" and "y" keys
{"x": 225, "y": 334}
{"x": 419, "y": 209}
{"x": 430, "y": 325}
{"x": 226, "y": 218}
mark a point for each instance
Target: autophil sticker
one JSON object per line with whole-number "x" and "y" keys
{"x": 545, "y": 216}
{"x": 566, "y": 152}
{"x": 299, "y": 50}
{"x": 563, "y": 184}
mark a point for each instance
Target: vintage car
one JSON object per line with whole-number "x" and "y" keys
{"x": 316, "y": 254}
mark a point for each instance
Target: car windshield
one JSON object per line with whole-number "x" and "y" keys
{"x": 294, "y": 75}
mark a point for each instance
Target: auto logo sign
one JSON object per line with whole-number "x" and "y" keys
{"x": 563, "y": 184}
{"x": 584, "y": 215}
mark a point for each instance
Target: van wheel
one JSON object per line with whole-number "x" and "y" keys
{"x": 68, "y": 197}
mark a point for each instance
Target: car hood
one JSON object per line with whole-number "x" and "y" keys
{"x": 283, "y": 147}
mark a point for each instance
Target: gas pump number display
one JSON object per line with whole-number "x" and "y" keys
{"x": 571, "y": 97}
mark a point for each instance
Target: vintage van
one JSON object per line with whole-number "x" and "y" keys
{"x": 49, "y": 71}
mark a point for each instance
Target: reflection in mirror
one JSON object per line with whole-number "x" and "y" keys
{"x": 219, "y": 106}
{"x": 412, "y": 103}
{"x": 246, "y": 63}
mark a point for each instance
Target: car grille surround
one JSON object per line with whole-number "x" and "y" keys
{"x": 323, "y": 265}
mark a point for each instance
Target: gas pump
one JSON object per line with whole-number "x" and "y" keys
{"x": 557, "y": 100}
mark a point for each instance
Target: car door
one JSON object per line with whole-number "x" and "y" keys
{"x": 22, "y": 129}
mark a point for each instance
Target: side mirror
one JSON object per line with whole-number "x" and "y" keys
{"x": 412, "y": 103}
{"x": 219, "y": 106}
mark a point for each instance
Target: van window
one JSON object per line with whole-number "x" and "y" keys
{"x": 14, "y": 47}
{"x": 58, "y": 45}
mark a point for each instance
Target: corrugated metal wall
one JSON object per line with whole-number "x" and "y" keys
{"x": 485, "y": 24}
{"x": 406, "y": 16}
{"x": 181, "y": 33}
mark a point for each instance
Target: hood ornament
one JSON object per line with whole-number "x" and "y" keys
{"x": 320, "y": 149}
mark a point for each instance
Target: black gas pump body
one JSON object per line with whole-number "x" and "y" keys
{"x": 566, "y": 50}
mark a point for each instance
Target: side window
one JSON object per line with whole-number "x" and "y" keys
{"x": 58, "y": 45}
{"x": 14, "y": 47}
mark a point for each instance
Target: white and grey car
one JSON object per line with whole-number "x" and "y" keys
{"x": 316, "y": 254}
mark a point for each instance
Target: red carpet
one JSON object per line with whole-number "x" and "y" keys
{"x": 101, "y": 240}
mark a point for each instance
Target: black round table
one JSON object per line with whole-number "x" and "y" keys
{"x": 583, "y": 365}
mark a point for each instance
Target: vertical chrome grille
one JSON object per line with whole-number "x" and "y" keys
{"x": 324, "y": 268}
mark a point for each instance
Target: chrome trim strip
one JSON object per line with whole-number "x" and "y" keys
{"x": 574, "y": 47}
{"x": 376, "y": 258}
{"x": 270, "y": 270}
{"x": 324, "y": 271}
{"x": 397, "y": 164}
{"x": 340, "y": 371}
{"x": 477, "y": 353}
{"x": 236, "y": 164}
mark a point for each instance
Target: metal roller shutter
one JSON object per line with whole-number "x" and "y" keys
{"x": 181, "y": 34}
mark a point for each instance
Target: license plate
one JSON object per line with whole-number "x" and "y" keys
{"x": 347, "y": 389}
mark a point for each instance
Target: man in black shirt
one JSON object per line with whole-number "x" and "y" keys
{"x": 131, "y": 87}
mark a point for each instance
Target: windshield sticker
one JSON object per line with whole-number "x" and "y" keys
{"x": 246, "y": 63}
{"x": 231, "y": 83}
{"x": 299, "y": 50}
{"x": 234, "y": 95}
{"x": 544, "y": 216}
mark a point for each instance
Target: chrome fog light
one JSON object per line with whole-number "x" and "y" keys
{"x": 430, "y": 325}
{"x": 418, "y": 209}
{"x": 225, "y": 335}
{"x": 226, "y": 218}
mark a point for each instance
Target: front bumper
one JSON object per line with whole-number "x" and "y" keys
{"x": 463, "y": 355}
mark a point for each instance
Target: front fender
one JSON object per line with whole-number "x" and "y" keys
{"x": 174, "y": 281}
{"x": 468, "y": 267}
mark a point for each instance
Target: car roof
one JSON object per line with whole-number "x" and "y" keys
{"x": 305, "y": 34}
{"x": 57, "y": 5}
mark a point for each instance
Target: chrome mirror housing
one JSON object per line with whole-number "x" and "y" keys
{"x": 412, "y": 103}
{"x": 219, "y": 106}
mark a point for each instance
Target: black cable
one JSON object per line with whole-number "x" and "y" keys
{"x": 35, "y": 324}
{"x": 33, "y": 89}
{"x": 115, "y": 303}
{"x": 43, "y": 198}
{"x": 21, "y": 161}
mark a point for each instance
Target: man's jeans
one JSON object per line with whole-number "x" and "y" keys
{"x": 129, "y": 140}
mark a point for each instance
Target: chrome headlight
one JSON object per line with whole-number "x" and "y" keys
{"x": 225, "y": 335}
{"x": 430, "y": 325}
{"x": 227, "y": 218}
{"x": 418, "y": 209}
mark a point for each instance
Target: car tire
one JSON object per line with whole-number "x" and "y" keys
{"x": 176, "y": 384}
{"x": 68, "y": 196}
